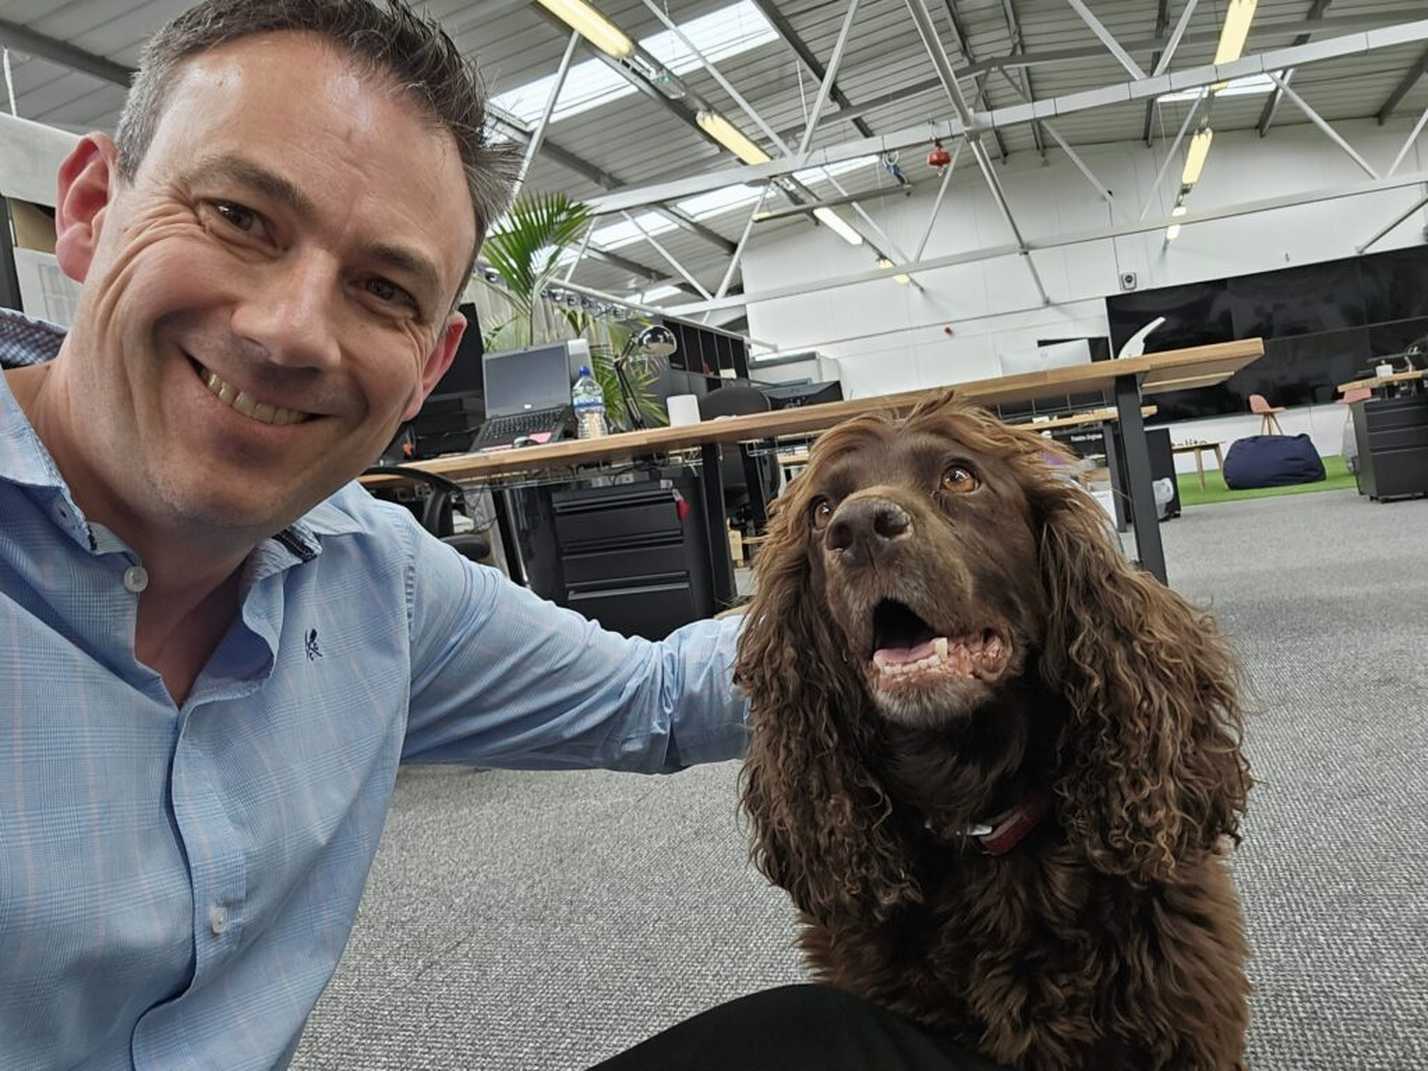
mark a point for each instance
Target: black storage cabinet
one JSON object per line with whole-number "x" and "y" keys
{"x": 1392, "y": 435}
{"x": 633, "y": 557}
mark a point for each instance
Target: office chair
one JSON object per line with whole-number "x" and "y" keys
{"x": 1266, "y": 412}
{"x": 738, "y": 399}
{"x": 435, "y": 511}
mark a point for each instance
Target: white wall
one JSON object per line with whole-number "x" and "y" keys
{"x": 888, "y": 337}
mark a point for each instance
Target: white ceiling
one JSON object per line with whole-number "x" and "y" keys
{"x": 634, "y": 140}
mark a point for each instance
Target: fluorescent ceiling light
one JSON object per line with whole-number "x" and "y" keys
{"x": 884, "y": 262}
{"x": 591, "y": 83}
{"x": 1178, "y": 210}
{"x": 1233, "y": 33}
{"x": 838, "y": 225}
{"x": 731, "y": 137}
{"x": 659, "y": 293}
{"x": 1195, "y": 156}
{"x": 593, "y": 26}
{"x": 1246, "y": 86}
{"x": 1172, "y": 232}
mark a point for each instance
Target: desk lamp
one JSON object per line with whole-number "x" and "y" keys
{"x": 648, "y": 349}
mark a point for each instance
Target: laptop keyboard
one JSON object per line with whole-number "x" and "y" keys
{"x": 504, "y": 429}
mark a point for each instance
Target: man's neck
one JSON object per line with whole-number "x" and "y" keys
{"x": 192, "y": 591}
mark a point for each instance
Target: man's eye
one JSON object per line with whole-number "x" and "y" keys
{"x": 821, "y": 511}
{"x": 237, "y": 216}
{"x": 386, "y": 290}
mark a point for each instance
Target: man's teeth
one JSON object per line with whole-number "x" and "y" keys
{"x": 231, "y": 396}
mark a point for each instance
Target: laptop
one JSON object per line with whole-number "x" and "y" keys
{"x": 527, "y": 396}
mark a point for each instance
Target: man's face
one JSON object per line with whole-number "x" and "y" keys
{"x": 271, "y": 295}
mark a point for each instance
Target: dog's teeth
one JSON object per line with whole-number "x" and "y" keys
{"x": 939, "y": 645}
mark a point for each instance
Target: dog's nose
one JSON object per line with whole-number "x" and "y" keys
{"x": 868, "y": 528}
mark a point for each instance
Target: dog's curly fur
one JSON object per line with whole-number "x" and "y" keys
{"x": 1111, "y": 937}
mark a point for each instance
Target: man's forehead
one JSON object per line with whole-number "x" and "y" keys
{"x": 322, "y": 113}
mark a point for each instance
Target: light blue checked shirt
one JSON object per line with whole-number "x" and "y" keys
{"x": 177, "y": 883}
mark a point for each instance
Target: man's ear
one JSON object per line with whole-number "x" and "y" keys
{"x": 437, "y": 362}
{"x": 88, "y": 179}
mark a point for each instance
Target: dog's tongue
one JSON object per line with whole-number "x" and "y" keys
{"x": 892, "y": 656}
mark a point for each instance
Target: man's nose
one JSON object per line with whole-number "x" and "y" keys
{"x": 865, "y": 530}
{"x": 290, "y": 318}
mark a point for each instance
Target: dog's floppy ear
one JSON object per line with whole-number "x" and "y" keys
{"x": 1151, "y": 771}
{"x": 819, "y": 815}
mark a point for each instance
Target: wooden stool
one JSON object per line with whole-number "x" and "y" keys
{"x": 1185, "y": 448}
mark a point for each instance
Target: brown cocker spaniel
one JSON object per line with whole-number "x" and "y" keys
{"x": 995, "y": 766}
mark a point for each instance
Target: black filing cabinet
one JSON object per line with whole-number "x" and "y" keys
{"x": 1392, "y": 435}
{"x": 632, "y": 556}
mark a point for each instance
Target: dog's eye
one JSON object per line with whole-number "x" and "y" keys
{"x": 820, "y": 511}
{"x": 959, "y": 479}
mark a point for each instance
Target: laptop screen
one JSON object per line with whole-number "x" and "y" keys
{"x": 525, "y": 380}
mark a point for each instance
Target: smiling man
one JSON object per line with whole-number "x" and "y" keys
{"x": 215, "y": 648}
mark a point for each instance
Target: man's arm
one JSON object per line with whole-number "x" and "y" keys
{"x": 501, "y": 677}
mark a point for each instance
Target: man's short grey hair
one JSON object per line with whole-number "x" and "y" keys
{"x": 388, "y": 40}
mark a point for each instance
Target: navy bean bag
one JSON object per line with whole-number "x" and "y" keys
{"x": 1272, "y": 461}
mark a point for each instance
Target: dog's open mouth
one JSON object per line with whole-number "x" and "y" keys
{"x": 907, "y": 651}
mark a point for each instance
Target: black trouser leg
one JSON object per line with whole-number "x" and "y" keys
{"x": 797, "y": 1028}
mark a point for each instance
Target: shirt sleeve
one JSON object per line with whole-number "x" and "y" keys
{"x": 504, "y": 678}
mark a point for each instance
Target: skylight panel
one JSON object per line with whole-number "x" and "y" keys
{"x": 1236, "y": 87}
{"x": 591, "y": 83}
{"x": 624, "y": 232}
{"x": 716, "y": 201}
{"x": 811, "y": 175}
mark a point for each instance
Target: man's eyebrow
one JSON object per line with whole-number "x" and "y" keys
{"x": 257, "y": 177}
{"x": 269, "y": 183}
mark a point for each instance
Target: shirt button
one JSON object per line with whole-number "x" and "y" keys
{"x": 136, "y": 578}
{"x": 218, "y": 919}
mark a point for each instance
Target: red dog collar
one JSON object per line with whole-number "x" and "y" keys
{"x": 1004, "y": 832}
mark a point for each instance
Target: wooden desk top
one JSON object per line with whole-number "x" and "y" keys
{"x": 1199, "y": 366}
{"x": 1185, "y": 448}
{"x": 1380, "y": 381}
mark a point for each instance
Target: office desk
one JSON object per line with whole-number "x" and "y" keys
{"x": 1128, "y": 379}
{"x": 1376, "y": 382}
{"x": 1104, "y": 415}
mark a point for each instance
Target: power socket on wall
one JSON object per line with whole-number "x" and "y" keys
{"x": 1129, "y": 280}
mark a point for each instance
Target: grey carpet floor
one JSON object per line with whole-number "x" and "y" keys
{"x": 529, "y": 921}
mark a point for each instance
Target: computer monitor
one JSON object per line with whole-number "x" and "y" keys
{"x": 671, "y": 381}
{"x": 522, "y": 381}
{"x": 464, "y": 375}
{"x": 453, "y": 411}
{"x": 796, "y": 395}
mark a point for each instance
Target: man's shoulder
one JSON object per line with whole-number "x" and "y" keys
{"x": 351, "y": 511}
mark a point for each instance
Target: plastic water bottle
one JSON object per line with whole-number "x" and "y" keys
{"x": 589, "y": 405}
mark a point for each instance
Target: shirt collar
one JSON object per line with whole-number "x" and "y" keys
{"x": 23, "y": 458}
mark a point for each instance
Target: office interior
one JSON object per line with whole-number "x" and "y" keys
{"x": 1099, "y": 184}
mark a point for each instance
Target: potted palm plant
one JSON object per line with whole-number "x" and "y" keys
{"x": 525, "y": 251}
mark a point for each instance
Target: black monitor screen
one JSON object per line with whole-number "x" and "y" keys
{"x": 671, "y": 381}
{"x": 525, "y": 380}
{"x": 464, "y": 375}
